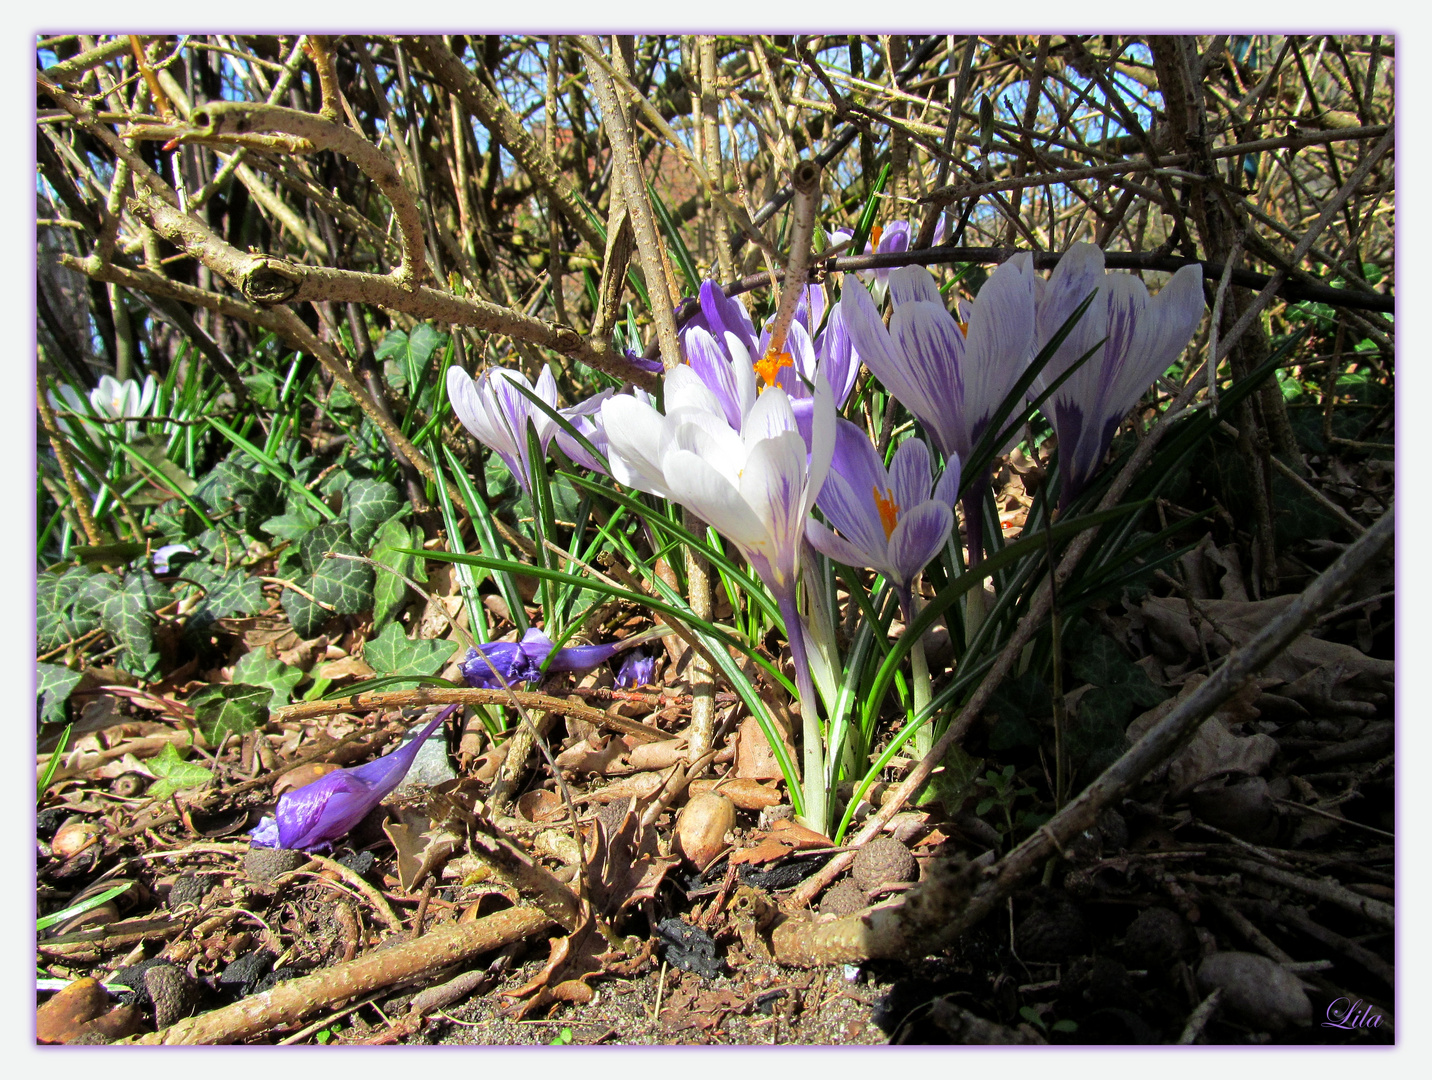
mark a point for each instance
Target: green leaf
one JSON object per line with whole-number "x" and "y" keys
{"x": 952, "y": 783}
{"x": 306, "y": 617}
{"x": 369, "y": 503}
{"x": 230, "y": 708}
{"x": 342, "y": 584}
{"x": 89, "y": 602}
{"x": 127, "y": 616}
{"x": 293, "y": 523}
{"x": 389, "y": 590}
{"x": 53, "y": 690}
{"x": 54, "y": 593}
{"x": 406, "y": 356}
{"x": 257, "y": 668}
{"x": 89, "y": 903}
{"x": 225, "y": 593}
{"x": 392, "y": 653}
{"x": 174, "y": 773}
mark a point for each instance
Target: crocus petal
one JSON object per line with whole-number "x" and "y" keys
{"x": 697, "y": 484}
{"x": 773, "y": 485}
{"x": 1167, "y": 323}
{"x": 1000, "y": 343}
{"x": 853, "y": 512}
{"x": 910, "y": 474}
{"x": 714, "y": 369}
{"x": 634, "y": 435}
{"x": 918, "y": 538}
{"x": 932, "y": 348}
{"x": 829, "y": 544}
{"x": 948, "y": 488}
{"x": 838, "y": 359}
{"x": 769, "y": 417}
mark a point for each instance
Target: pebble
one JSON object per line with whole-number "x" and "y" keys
{"x": 1257, "y": 990}
{"x": 62, "y": 1017}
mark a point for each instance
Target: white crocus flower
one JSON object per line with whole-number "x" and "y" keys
{"x": 755, "y": 486}
{"x": 497, "y": 413}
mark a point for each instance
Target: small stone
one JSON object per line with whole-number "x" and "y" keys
{"x": 191, "y": 889}
{"x": 265, "y": 864}
{"x": 1243, "y": 807}
{"x": 883, "y": 861}
{"x": 73, "y": 837}
{"x": 174, "y": 993}
{"x": 1257, "y": 990}
{"x": 47, "y": 821}
{"x": 843, "y": 898}
{"x": 63, "y": 1017}
{"x": 1156, "y": 938}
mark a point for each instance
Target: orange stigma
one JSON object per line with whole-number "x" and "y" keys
{"x": 964, "y": 327}
{"x": 768, "y": 367}
{"x": 875, "y": 236}
{"x": 889, "y": 510}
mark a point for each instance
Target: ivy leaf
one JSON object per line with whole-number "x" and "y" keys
{"x": 294, "y": 522}
{"x": 89, "y": 602}
{"x": 389, "y": 590}
{"x": 257, "y": 668}
{"x": 174, "y": 773}
{"x": 392, "y": 653}
{"x": 952, "y": 783}
{"x": 226, "y": 593}
{"x": 127, "y": 616}
{"x": 53, "y": 594}
{"x": 406, "y": 355}
{"x": 368, "y": 504}
{"x": 235, "y": 708}
{"x": 306, "y": 617}
{"x": 53, "y": 688}
{"x": 342, "y": 584}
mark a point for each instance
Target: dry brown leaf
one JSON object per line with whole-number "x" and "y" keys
{"x": 1168, "y": 619}
{"x": 1213, "y": 750}
{"x": 422, "y": 847}
{"x": 746, "y": 794}
{"x": 754, "y": 759}
{"x": 784, "y": 837}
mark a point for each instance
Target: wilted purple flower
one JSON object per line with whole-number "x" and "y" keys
{"x": 497, "y": 414}
{"x": 887, "y": 520}
{"x": 1145, "y": 336}
{"x": 522, "y": 661}
{"x": 636, "y": 670}
{"x": 316, "y": 815}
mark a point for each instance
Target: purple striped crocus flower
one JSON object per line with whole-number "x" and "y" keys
{"x": 318, "y": 814}
{"x": 886, "y": 519}
{"x": 497, "y": 413}
{"x": 1145, "y": 336}
{"x": 951, "y": 374}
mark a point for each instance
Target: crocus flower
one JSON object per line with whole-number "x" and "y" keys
{"x": 885, "y": 241}
{"x": 318, "y": 814}
{"x": 756, "y": 486}
{"x": 498, "y": 662}
{"x": 497, "y": 413}
{"x": 112, "y": 400}
{"x": 636, "y": 670}
{"x": 581, "y": 416}
{"x": 887, "y": 519}
{"x": 952, "y": 375}
{"x": 1145, "y": 336}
